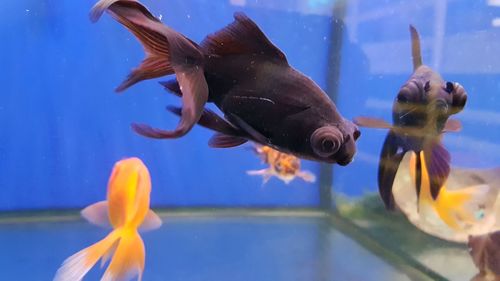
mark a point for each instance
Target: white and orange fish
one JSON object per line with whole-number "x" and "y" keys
{"x": 455, "y": 213}
{"x": 284, "y": 166}
{"x": 127, "y": 210}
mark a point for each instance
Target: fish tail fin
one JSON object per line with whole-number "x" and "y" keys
{"x": 76, "y": 266}
{"x": 415, "y": 48}
{"x": 167, "y": 52}
{"x": 462, "y": 206}
{"x": 128, "y": 259}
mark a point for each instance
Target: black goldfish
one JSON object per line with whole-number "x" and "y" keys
{"x": 420, "y": 116}
{"x": 262, "y": 97}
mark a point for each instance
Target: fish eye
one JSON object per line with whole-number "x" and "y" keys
{"x": 326, "y": 141}
{"x": 427, "y": 86}
{"x": 449, "y": 87}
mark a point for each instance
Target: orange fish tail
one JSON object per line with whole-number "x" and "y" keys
{"x": 128, "y": 259}
{"x": 459, "y": 207}
{"x": 76, "y": 266}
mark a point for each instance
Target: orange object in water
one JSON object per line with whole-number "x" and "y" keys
{"x": 126, "y": 210}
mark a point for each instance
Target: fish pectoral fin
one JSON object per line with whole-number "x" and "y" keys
{"x": 306, "y": 176}
{"x": 97, "y": 214}
{"x": 370, "y": 122}
{"x": 437, "y": 160}
{"x": 253, "y": 133}
{"x": 225, "y": 141}
{"x": 265, "y": 173}
{"x": 77, "y": 266}
{"x": 128, "y": 259}
{"x": 242, "y": 36}
{"x": 151, "y": 221}
{"x": 389, "y": 162}
{"x": 452, "y": 125}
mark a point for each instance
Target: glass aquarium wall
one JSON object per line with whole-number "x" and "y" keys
{"x": 63, "y": 126}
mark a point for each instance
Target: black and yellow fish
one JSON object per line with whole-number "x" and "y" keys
{"x": 262, "y": 97}
{"x": 420, "y": 116}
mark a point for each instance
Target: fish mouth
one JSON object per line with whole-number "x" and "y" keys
{"x": 345, "y": 161}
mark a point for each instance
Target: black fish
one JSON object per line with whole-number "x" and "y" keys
{"x": 262, "y": 97}
{"x": 485, "y": 253}
{"x": 420, "y": 116}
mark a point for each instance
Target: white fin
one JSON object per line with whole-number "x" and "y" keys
{"x": 151, "y": 221}
{"x": 75, "y": 267}
{"x": 97, "y": 214}
{"x": 306, "y": 176}
{"x": 265, "y": 173}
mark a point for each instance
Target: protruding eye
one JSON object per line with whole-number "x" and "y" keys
{"x": 427, "y": 86}
{"x": 459, "y": 98}
{"x": 449, "y": 87}
{"x": 326, "y": 141}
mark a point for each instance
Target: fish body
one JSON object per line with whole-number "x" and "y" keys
{"x": 126, "y": 210}
{"x": 485, "y": 253}
{"x": 262, "y": 97}
{"x": 284, "y": 166}
{"x": 420, "y": 117}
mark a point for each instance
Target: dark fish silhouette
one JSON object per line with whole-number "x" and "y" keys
{"x": 249, "y": 79}
{"x": 420, "y": 116}
{"x": 485, "y": 252}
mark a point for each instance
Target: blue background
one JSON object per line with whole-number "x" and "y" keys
{"x": 63, "y": 127}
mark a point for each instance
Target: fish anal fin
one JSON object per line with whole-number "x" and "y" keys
{"x": 438, "y": 160}
{"x": 242, "y": 36}
{"x": 151, "y": 221}
{"x": 390, "y": 159}
{"x": 452, "y": 125}
{"x": 224, "y": 141}
{"x": 97, "y": 214}
{"x": 370, "y": 122}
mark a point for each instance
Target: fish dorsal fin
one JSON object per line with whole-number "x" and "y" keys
{"x": 415, "y": 48}
{"x": 242, "y": 36}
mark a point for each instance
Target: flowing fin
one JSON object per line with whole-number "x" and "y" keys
{"x": 225, "y": 141}
{"x": 167, "y": 52}
{"x": 76, "y": 266}
{"x": 151, "y": 222}
{"x": 148, "y": 30}
{"x": 452, "y": 125}
{"x": 306, "y": 176}
{"x": 97, "y": 214}
{"x": 389, "y": 162}
{"x": 369, "y": 122}
{"x": 415, "y": 48}
{"x": 438, "y": 164}
{"x": 459, "y": 208}
{"x": 265, "y": 173}
{"x": 242, "y": 36}
{"x": 173, "y": 87}
{"x": 128, "y": 260}
{"x": 212, "y": 121}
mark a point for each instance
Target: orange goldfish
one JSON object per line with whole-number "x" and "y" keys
{"x": 281, "y": 165}
{"x": 127, "y": 210}
{"x": 458, "y": 209}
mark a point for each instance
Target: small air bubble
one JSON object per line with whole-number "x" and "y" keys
{"x": 324, "y": 38}
{"x": 188, "y": 16}
{"x": 27, "y": 10}
{"x": 160, "y": 17}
